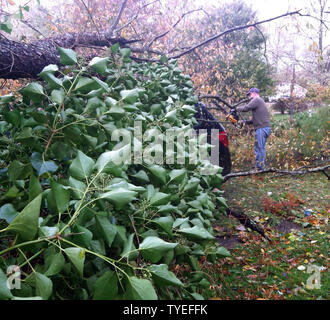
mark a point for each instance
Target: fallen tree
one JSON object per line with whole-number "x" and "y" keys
{"x": 282, "y": 172}
{"x": 26, "y": 60}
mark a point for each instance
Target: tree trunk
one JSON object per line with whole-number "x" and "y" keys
{"x": 26, "y": 60}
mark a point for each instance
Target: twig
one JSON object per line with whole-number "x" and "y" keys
{"x": 138, "y": 262}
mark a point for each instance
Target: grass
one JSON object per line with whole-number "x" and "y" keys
{"x": 278, "y": 270}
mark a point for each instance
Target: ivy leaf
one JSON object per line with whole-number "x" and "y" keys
{"x": 78, "y": 188}
{"x": 42, "y": 166}
{"x": 176, "y": 176}
{"x": 163, "y": 277}
{"x": 119, "y": 197}
{"x": 158, "y": 172}
{"x": 58, "y": 96}
{"x": 34, "y": 187}
{"x": 67, "y": 56}
{"x": 57, "y": 262}
{"x": 34, "y": 91}
{"x": 105, "y": 229}
{"x": 222, "y": 252}
{"x": 130, "y": 96}
{"x": 4, "y": 290}
{"x": 196, "y": 233}
{"x": 44, "y": 286}
{"x": 140, "y": 289}
{"x": 166, "y": 223}
{"x": 62, "y": 196}
{"x": 99, "y": 64}
{"x": 154, "y": 248}
{"x": 8, "y": 212}
{"x": 160, "y": 198}
{"x": 82, "y": 166}
{"x": 106, "y": 287}
{"x": 77, "y": 258}
{"x": 125, "y": 52}
{"x": 26, "y": 223}
{"x": 129, "y": 250}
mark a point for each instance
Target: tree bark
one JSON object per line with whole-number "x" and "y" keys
{"x": 26, "y": 60}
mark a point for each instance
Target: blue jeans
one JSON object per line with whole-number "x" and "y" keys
{"x": 261, "y": 136}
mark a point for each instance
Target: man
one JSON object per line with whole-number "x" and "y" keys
{"x": 261, "y": 123}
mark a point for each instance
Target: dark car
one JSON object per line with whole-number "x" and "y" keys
{"x": 207, "y": 121}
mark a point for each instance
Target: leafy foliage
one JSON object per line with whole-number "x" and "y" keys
{"x": 82, "y": 225}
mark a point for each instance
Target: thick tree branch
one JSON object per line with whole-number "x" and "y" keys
{"x": 284, "y": 172}
{"x": 231, "y": 30}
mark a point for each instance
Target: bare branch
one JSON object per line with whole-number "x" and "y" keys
{"x": 286, "y": 172}
{"x": 90, "y": 16}
{"x": 171, "y": 28}
{"x": 114, "y": 26}
{"x": 135, "y": 16}
{"x": 203, "y": 43}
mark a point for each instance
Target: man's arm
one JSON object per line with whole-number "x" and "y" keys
{"x": 250, "y": 106}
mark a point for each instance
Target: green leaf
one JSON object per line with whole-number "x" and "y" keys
{"x": 8, "y": 212}
{"x": 222, "y": 201}
{"x": 77, "y": 258}
{"x": 222, "y": 252}
{"x": 158, "y": 172}
{"x": 125, "y": 52}
{"x": 42, "y": 166}
{"x": 105, "y": 229}
{"x": 6, "y": 26}
{"x": 106, "y": 287}
{"x": 57, "y": 262}
{"x": 85, "y": 85}
{"x": 110, "y": 161}
{"x": 34, "y": 91}
{"x": 48, "y": 75}
{"x": 160, "y": 198}
{"x": 7, "y": 98}
{"x": 13, "y": 117}
{"x": 166, "y": 223}
{"x": 83, "y": 237}
{"x": 119, "y": 197}
{"x": 26, "y": 223}
{"x": 78, "y": 188}
{"x": 67, "y": 56}
{"x": 130, "y": 96}
{"x": 4, "y": 290}
{"x": 34, "y": 187}
{"x": 99, "y": 64}
{"x": 114, "y": 48}
{"x": 58, "y": 96}
{"x": 154, "y": 248}
{"x": 176, "y": 176}
{"x": 82, "y": 166}
{"x": 44, "y": 286}
{"x": 62, "y": 196}
{"x": 129, "y": 250}
{"x": 196, "y": 233}
{"x": 163, "y": 277}
{"x": 140, "y": 289}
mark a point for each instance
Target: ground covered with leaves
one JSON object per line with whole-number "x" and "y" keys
{"x": 279, "y": 269}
